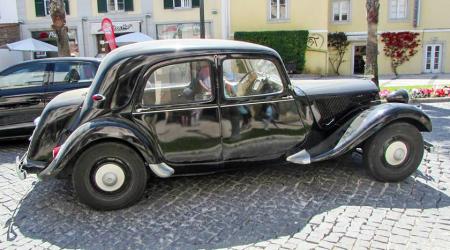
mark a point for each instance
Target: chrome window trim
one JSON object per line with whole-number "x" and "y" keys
{"x": 147, "y": 111}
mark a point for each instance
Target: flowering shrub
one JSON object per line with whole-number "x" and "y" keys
{"x": 423, "y": 92}
{"x": 400, "y": 47}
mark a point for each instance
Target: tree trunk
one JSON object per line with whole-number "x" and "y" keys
{"x": 373, "y": 7}
{"x": 58, "y": 15}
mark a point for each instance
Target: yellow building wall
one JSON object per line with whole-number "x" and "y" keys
{"x": 31, "y": 10}
{"x": 252, "y": 15}
{"x": 167, "y": 16}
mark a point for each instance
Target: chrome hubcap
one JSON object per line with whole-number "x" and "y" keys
{"x": 396, "y": 153}
{"x": 109, "y": 177}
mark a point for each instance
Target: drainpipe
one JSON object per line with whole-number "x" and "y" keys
{"x": 202, "y": 19}
{"x": 417, "y": 13}
{"x": 83, "y": 21}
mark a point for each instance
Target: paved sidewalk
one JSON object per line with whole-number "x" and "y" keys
{"x": 328, "y": 205}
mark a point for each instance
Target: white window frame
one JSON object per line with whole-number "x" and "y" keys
{"x": 47, "y": 7}
{"x": 340, "y": 13}
{"x": 116, "y": 6}
{"x": 397, "y": 10}
{"x": 185, "y": 4}
{"x": 278, "y": 10}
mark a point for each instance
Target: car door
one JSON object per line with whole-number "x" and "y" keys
{"x": 70, "y": 75}
{"x": 179, "y": 108}
{"x": 259, "y": 117}
{"x": 22, "y": 91}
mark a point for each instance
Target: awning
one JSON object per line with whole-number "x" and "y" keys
{"x": 135, "y": 37}
{"x": 32, "y": 45}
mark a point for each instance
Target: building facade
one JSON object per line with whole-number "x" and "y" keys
{"x": 9, "y": 33}
{"x": 9, "y": 23}
{"x": 160, "y": 19}
{"x": 425, "y": 17}
{"x": 83, "y": 19}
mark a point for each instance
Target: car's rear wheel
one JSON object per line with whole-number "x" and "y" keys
{"x": 109, "y": 176}
{"x": 394, "y": 153}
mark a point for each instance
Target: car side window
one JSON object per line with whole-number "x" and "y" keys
{"x": 29, "y": 75}
{"x": 250, "y": 77}
{"x": 179, "y": 83}
{"x": 73, "y": 72}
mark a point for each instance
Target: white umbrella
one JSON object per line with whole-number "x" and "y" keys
{"x": 135, "y": 37}
{"x": 31, "y": 45}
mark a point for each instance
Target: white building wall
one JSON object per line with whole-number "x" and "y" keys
{"x": 8, "y": 11}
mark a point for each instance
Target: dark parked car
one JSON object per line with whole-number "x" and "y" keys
{"x": 27, "y": 87}
{"x": 171, "y": 108}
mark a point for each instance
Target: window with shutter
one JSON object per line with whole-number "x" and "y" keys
{"x": 67, "y": 7}
{"x": 129, "y": 5}
{"x": 39, "y": 7}
{"x": 102, "y": 6}
{"x": 168, "y": 4}
{"x": 195, "y": 3}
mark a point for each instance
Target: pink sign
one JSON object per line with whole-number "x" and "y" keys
{"x": 108, "y": 29}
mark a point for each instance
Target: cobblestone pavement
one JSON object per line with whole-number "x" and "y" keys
{"x": 327, "y": 205}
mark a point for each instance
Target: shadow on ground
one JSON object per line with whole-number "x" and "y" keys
{"x": 221, "y": 210}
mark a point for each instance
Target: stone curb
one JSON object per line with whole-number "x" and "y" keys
{"x": 430, "y": 100}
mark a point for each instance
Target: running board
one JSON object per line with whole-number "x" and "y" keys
{"x": 162, "y": 170}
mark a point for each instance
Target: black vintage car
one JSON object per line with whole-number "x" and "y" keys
{"x": 27, "y": 87}
{"x": 181, "y": 107}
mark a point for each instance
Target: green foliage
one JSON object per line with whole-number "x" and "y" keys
{"x": 291, "y": 45}
{"x": 339, "y": 43}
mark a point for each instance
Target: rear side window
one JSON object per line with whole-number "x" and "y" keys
{"x": 250, "y": 77}
{"x": 29, "y": 75}
{"x": 74, "y": 72}
{"x": 179, "y": 83}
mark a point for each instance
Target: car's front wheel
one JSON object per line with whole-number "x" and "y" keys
{"x": 394, "y": 153}
{"x": 109, "y": 176}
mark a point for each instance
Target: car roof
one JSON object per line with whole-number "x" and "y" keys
{"x": 60, "y": 59}
{"x": 183, "y": 45}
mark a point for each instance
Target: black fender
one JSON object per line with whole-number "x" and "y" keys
{"x": 360, "y": 128}
{"x": 108, "y": 129}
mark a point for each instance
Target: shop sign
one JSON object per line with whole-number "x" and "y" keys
{"x": 119, "y": 27}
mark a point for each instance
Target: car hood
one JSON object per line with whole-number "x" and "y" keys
{"x": 333, "y": 102}
{"x": 315, "y": 88}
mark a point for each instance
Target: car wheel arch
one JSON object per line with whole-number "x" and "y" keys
{"x": 68, "y": 168}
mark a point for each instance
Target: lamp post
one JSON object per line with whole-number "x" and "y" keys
{"x": 202, "y": 19}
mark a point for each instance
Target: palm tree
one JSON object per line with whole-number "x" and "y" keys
{"x": 58, "y": 15}
{"x": 373, "y": 7}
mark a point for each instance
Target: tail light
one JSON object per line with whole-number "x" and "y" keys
{"x": 56, "y": 151}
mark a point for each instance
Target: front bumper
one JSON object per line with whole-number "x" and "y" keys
{"x": 25, "y": 166}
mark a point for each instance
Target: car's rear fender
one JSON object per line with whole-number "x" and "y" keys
{"x": 110, "y": 129}
{"x": 359, "y": 129}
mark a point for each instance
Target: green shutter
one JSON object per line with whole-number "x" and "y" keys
{"x": 67, "y": 7}
{"x": 129, "y": 5}
{"x": 195, "y": 3}
{"x": 168, "y": 4}
{"x": 102, "y": 6}
{"x": 40, "y": 8}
